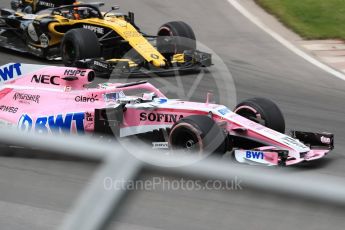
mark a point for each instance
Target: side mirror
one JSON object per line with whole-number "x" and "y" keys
{"x": 115, "y": 7}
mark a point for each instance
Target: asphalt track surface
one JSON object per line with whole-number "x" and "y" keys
{"x": 37, "y": 194}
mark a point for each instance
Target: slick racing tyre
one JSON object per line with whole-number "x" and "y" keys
{"x": 262, "y": 111}
{"x": 174, "y": 38}
{"x": 78, "y": 44}
{"x": 198, "y": 134}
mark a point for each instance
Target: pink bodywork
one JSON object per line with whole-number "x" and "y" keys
{"x": 61, "y": 97}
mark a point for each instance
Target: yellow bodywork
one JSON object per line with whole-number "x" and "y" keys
{"x": 129, "y": 61}
{"x": 178, "y": 58}
{"x": 117, "y": 24}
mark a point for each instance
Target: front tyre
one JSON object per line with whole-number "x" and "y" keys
{"x": 78, "y": 44}
{"x": 263, "y": 111}
{"x": 175, "y": 38}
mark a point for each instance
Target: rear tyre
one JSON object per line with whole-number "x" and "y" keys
{"x": 263, "y": 111}
{"x": 78, "y": 44}
{"x": 175, "y": 37}
{"x": 198, "y": 134}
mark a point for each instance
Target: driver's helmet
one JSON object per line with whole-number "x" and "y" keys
{"x": 81, "y": 13}
{"x": 76, "y": 14}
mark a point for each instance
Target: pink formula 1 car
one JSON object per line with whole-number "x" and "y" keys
{"x": 60, "y": 100}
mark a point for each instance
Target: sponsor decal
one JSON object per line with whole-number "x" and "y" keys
{"x": 121, "y": 23}
{"x": 269, "y": 131}
{"x": 100, "y": 64}
{"x": 5, "y": 124}
{"x": 44, "y": 41}
{"x": 325, "y": 140}
{"x": 55, "y": 124}
{"x": 290, "y": 141}
{"x": 8, "y": 109}
{"x": 46, "y": 4}
{"x": 160, "y": 145}
{"x": 131, "y": 34}
{"x": 92, "y": 98}
{"x": 9, "y": 72}
{"x": 161, "y": 100}
{"x": 67, "y": 88}
{"x": 224, "y": 111}
{"x": 25, "y": 98}
{"x": 89, "y": 117}
{"x": 254, "y": 155}
{"x": 45, "y": 79}
{"x": 98, "y": 30}
{"x": 75, "y": 72}
{"x": 154, "y": 56}
{"x": 160, "y": 117}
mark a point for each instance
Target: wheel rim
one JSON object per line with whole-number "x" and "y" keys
{"x": 190, "y": 144}
{"x": 186, "y": 140}
{"x": 166, "y": 33}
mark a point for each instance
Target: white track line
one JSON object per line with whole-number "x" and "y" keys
{"x": 285, "y": 42}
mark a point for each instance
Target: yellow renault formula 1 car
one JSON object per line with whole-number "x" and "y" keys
{"x": 81, "y": 35}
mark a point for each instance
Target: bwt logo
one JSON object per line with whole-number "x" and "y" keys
{"x": 59, "y": 124}
{"x": 9, "y": 72}
{"x": 254, "y": 155}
